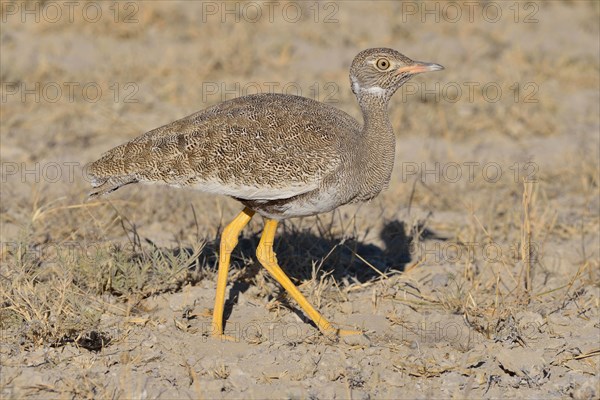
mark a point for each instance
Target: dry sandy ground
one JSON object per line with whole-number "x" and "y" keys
{"x": 475, "y": 275}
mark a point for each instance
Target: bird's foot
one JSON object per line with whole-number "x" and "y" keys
{"x": 223, "y": 337}
{"x": 348, "y": 332}
{"x": 350, "y": 337}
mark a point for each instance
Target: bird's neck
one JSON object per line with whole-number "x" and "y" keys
{"x": 377, "y": 132}
{"x": 379, "y": 144}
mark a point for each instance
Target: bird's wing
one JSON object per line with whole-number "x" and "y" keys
{"x": 258, "y": 147}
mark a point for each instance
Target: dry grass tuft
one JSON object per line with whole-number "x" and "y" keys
{"x": 41, "y": 305}
{"x": 56, "y": 294}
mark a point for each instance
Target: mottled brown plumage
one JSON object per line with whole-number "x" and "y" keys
{"x": 281, "y": 155}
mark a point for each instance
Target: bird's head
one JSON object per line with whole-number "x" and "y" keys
{"x": 379, "y": 72}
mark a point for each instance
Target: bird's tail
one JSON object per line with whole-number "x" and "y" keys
{"x": 110, "y": 184}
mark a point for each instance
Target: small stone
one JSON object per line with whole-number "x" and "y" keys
{"x": 239, "y": 379}
{"x": 346, "y": 307}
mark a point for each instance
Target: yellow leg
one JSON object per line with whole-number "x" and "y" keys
{"x": 268, "y": 259}
{"x": 229, "y": 240}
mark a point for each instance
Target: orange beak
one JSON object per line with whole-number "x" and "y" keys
{"x": 417, "y": 67}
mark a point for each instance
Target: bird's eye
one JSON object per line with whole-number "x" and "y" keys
{"x": 382, "y": 64}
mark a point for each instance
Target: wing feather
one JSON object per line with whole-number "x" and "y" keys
{"x": 258, "y": 147}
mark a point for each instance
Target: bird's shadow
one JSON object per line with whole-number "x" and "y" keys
{"x": 299, "y": 251}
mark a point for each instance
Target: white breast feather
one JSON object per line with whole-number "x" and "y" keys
{"x": 253, "y": 193}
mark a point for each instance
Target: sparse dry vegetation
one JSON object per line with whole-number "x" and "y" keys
{"x": 479, "y": 286}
